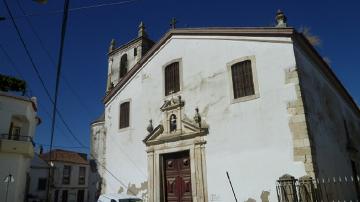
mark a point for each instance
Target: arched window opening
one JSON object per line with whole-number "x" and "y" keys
{"x": 172, "y": 80}
{"x": 242, "y": 79}
{"x": 123, "y": 65}
{"x": 172, "y": 122}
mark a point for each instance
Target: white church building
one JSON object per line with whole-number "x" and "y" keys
{"x": 255, "y": 102}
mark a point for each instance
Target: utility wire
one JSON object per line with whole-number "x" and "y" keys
{"x": 27, "y": 51}
{"x": 14, "y": 66}
{"x": 48, "y": 94}
{"x": 58, "y": 73}
{"x": 11, "y": 62}
{"x": 77, "y": 8}
{"x": 52, "y": 60}
{"x": 68, "y": 84}
{"x": 17, "y": 71}
{"x": 57, "y": 146}
{"x": 33, "y": 64}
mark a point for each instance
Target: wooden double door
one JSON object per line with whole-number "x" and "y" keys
{"x": 177, "y": 177}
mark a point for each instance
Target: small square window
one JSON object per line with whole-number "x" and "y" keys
{"x": 66, "y": 175}
{"x": 82, "y": 174}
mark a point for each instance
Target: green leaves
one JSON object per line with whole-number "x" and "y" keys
{"x": 8, "y": 83}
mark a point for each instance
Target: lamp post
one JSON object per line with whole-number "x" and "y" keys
{"x": 57, "y": 84}
{"x": 8, "y": 179}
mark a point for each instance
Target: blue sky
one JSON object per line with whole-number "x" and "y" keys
{"x": 90, "y": 31}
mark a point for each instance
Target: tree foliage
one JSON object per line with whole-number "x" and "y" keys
{"x": 8, "y": 83}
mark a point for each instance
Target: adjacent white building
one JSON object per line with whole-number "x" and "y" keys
{"x": 18, "y": 121}
{"x": 39, "y": 174}
{"x": 97, "y": 158}
{"x": 257, "y": 103}
{"x": 69, "y": 177}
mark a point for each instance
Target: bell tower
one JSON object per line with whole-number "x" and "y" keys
{"x": 121, "y": 59}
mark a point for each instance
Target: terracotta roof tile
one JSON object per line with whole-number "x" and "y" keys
{"x": 65, "y": 156}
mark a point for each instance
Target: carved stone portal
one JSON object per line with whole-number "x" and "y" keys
{"x": 177, "y": 133}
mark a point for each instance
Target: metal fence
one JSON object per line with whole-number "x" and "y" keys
{"x": 306, "y": 189}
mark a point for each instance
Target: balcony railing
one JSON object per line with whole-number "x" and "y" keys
{"x": 17, "y": 138}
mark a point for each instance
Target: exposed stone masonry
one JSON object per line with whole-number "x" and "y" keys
{"x": 298, "y": 125}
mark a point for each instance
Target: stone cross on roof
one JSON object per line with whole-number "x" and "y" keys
{"x": 173, "y": 23}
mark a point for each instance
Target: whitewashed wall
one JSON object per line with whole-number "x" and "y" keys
{"x": 9, "y": 107}
{"x": 14, "y": 163}
{"x": 17, "y": 166}
{"x": 74, "y": 185}
{"x": 249, "y": 139}
{"x": 38, "y": 169}
{"x": 98, "y": 146}
{"x": 98, "y": 140}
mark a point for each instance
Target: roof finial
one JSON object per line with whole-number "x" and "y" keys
{"x": 197, "y": 117}
{"x": 150, "y": 127}
{"x": 112, "y": 45}
{"x": 173, "y": 23}
{"x": 280, "y": 19}
{"x": 141, "y": 31}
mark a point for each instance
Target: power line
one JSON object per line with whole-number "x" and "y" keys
{"x": 11, "y": 62}
{"x": 75, "y": 94}
{"x": 77, "y": 8}
{"x": 33, "y": 64}
{"x": 27, "y": 50}
{"x": 58, "y": 146}
{"x": 13, "y": 66}
{"x": 47, "y": 92}
{"x": 52, "y": 60}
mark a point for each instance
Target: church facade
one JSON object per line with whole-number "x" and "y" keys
{"x": 254, "y": 103}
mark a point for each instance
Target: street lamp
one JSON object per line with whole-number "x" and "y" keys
{"x": 9, "y": 178}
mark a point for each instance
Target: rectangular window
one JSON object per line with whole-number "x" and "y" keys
{"x": 42, "y": 184}
{"x": 172, "y": 80}
{"x": 56, "y": 197}
{"x": 135, "y": 51}
{"x": 81, "y": 196}
{"x": 64, "y": 196}
{"x": 82, "y": 174}
{"x": 66, "y": 175}
{"x": 124, "y": 115}
{"x": 14, "y": 132}
{"x": 242, "y": 78}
